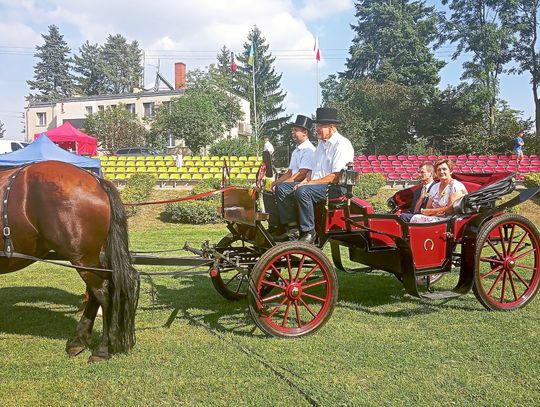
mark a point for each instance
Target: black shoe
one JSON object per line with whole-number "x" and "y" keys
{"x": 290, "y": 234}
{"x": 308, "y": 237}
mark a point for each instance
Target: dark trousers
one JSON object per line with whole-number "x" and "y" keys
{"x": 406, "y": 216}
{"x": 286, "y": 203}
{"x": 270, "y": 207}
{"x": 307, "y": 196}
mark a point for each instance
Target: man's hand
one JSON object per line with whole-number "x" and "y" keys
{"x": 304, "y": 182}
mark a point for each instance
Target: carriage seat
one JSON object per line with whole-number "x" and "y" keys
{"x": 482, "y": 198}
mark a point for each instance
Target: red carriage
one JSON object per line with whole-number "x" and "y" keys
{"x": 292, "y": 287}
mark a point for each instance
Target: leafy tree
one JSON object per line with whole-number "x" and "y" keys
{"x": 52, "y": 78}
{"x": 122, "y": 64}
{"x": 235, "y": 146}
{"x": 392, "y": 43}
{"x": 2, "y": 129}
{"x": 116, "y": 127}
{"x": 521, "y": 17}
{"x": 269, "y": 97}
{"x": 474, "y": 25}
{"x": 200, "y": 116}
{"x": 89, "y": 65}
{"x": 222, "y": 72}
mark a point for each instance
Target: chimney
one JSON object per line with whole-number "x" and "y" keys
{"x": 179, "y": 75}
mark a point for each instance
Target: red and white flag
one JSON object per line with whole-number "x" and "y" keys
{"x": 316, "y": 49}
{"x": 233, "y": 63}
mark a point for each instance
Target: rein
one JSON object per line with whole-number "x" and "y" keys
{"x": 185, "y": 198}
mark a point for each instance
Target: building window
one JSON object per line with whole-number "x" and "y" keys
{"x": 89, "y": 110}
{"x": 101, "y": 108}
{"x": 41, "y": 119}
{"x": 170, "y": 141}
{"x": 130, "y": 107}
{"x": 148, "y": 109}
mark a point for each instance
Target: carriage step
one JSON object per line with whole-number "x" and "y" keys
{"x": 440, "y": 295}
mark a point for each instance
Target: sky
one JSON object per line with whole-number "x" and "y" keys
{"x": 193, "y": 32}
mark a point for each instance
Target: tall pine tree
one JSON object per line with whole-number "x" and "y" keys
{"x": 392, "y": 43}
{"x": 52, "y": 78}
{"x": 89, "y": 65}
{"x": 268, "y": 94}
{"x": 122, "y": 64}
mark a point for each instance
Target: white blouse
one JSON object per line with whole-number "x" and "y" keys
{"x": 439, "y": 199}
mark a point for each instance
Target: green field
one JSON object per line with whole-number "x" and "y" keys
{"x": 194, "y": 348}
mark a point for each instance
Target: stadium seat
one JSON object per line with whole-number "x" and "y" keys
{"x": 120, "y": 176}
{"x": 161, "y": 169}
{"x": 214, "y": 158}
{"x": 163, "y": 176}
{"x": 241, "y": 176}
{"x": 141, "y": 169}
{"x": 130, "y": 163}
{"x": 174, "y": 176}
{"x": 172, "y": 169}
{"x": 188, "y": 158}
{"x": 193, "y": 170}
{"x": 208, "y": 176}
{"x": 196, "y": 158}
{"x": 252, "y": 177}
{"x": 151, "y": 170}
{"x": 196, "y": 176}
{"x": 252, "y": 158}
{"x": 185, "y": 176}
{"x": 215, "y": 170}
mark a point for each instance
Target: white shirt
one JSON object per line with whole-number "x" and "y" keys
{"x": 268, "y": 147}
{"x": 331, "y": 156}
{"x": 302, "y": 157}
{"x": 439, "y": 199}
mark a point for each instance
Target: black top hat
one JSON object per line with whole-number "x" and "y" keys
{"x": 303, "y": 122}
{"x": 326, "y": 115}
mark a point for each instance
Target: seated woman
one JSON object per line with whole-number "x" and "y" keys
{"x": 442, "y": 195}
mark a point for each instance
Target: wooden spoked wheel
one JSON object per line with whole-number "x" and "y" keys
{"x": 227, "y": 280}
{"x": 507, "y": 272}
{"x": 301, "y": 299}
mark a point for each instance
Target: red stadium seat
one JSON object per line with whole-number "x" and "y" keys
{"x": 422, "y": 157}
{"x": 392, "y": 158}
{"x": 405, "y": 176}
{"x": 366, "y": 170}
{"x": 432, "y": 157}
{"x": 372, "y": 158}
{"x": 401, "y": 157}
{"x": 381, "y": 158}
{"x": 411, "y": 157}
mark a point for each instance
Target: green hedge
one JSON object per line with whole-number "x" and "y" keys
{"x": 193, "y": 212}
{"x": 369, "y": 185}
{"x": 532, "y": 180}
{"x": 138, "y": 189}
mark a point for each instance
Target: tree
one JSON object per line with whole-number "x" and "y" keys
{"x": 52, "y": 78}
{"x": 521, "y": 17}
{"x": 89, "y": 65}
{"x": 116, "y": 127}
{"x": 2, "y": 129}
{"x": 122, "y": 64}
{"x": 199, "y": 117}
{"x": 474, "y": 25}
{"x": 392, "y": 43}
{"x": 269, "y": 97}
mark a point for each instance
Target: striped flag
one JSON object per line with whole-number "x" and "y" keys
{"x": 251, "y": 56}
{"x": 316, "y": 49}
{"x": 233, "y": 63}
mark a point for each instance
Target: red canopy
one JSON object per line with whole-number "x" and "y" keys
{"x": 69, "y": 137}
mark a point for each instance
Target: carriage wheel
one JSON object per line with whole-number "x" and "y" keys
{"x": 230, "y": 283}
{"x": 507, "y": 272}
{"x": 302, "y": 299}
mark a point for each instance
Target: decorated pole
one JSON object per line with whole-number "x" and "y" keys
{"x": 317, "y": 59}
{"x": 251, "y": 61}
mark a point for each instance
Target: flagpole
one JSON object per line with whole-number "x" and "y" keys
{"x": 255, "y": 109}
{"x": 317, "y": 83}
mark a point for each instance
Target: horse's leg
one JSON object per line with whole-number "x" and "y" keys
{"x": 101, "y": 293}
{"x": 84, "y": 327}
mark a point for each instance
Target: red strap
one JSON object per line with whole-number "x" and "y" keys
{"x": 185, "y": 198}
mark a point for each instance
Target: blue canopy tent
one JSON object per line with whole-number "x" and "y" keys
{"x": 44, "y": 149}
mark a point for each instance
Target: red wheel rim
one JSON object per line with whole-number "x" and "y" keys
{"x": 301, "y": 296}
{"x": 509, "y": 266}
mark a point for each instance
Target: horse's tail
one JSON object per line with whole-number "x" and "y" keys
{"x": 125, "y": 279}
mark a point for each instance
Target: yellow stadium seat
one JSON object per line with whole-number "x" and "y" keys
{"x": 103, "y": 158}
{"x": 237, "y": 164}
{"x": 199, "y": 163}
{"x": 254, "y": 169}
{"x": 130, "y": 158}
{"x": 130, "y": 163}
{"x": 151, "y": 169}
{"x": 169, "y": 163}
{"x": 150, "y": 163}
{"x": 160, "y": 163}
{"x": 172, "y": 169}
{"x": 245, "y": 170}
{"x": 249, "y": 163}
{"x": 150, "y": 158}
{"x": 188, "y": 163}
{"x": 258, "y": 162}
{"x": 130, "y": 169}
{"x": 205, "y": 158}
{"x": 193, "y": 170}
{"x": 233, "y": 158}
{"x": 168, "y": 158}
{"x": 161, "y": 169}
{"x": 120, "y": 176}
{"x": 208, "y": 176}
{"x": 187, "y": 158}
{"x": 141, "y": 169}
{"x": 203, "y": 170}
{"x": 196, "y": 176}
{"x": 174, "y": 176}
{"x": 252, "y": 177}
{"x": 183, "y": 170}
{"x": 241, "y": 176}
{"x": 209, "y": 163}
{"x": 252, "y": 158}
{"x": 140, "y": 163}
{"x": 140, "y": 158}
{"x": 121, "y": 163}
{"x": 196, "y": 158}
{"x": 185, "y": 176}
{"x": 215, "y": 170}
{"x": 110, "y": 157}
{"x": 234, "y": 170}
{"x": 121, "y": 158}
{"x": 217, "y": 176}
{"x": 242, "y": 158}
{"x": 163, "y": 176}
{"x": 120, "y": 169}
{"x": 224, "y": 157}
{"x": 218, "y": 163}
{"x": 214, "y": 158}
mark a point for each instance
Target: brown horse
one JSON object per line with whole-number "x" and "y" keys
{"x": 56, "y": 206}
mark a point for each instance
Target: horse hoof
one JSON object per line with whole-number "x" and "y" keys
{"x": 75, "y": 350}
{"x": 96, "y": 359}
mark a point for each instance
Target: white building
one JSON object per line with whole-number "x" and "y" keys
{"x": 43, "y": 116}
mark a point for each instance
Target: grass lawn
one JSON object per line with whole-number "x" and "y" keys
{"x": 194, "y": 348}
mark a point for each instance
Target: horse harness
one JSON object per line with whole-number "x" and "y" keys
{"x": 9, "y": 250}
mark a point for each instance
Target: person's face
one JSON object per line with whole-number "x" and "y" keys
{"x": 299, "y": 135}
{"x": 425, "y": 175}
{"x": 324, "y": 130}
{"x": 443, "y": 172}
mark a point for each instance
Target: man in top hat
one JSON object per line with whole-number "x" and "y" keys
{"x": 332, "y": 155}
{"x": 299, "y": 167}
